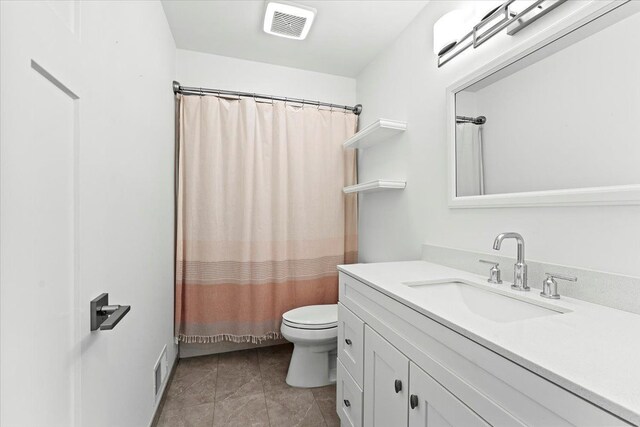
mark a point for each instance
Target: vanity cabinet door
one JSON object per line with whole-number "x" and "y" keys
{"x": 432, "y": 405}
{"x": 386, "y": 383}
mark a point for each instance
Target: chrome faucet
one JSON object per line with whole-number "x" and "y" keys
{"x": 519, "y": 268}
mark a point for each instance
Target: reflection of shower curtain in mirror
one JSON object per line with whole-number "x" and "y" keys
{"x": 469, "y": 162}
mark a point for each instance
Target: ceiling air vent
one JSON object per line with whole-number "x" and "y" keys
{"x": 288, "y": 20}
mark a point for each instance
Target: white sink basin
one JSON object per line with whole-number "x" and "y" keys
{"x": 484, "y": 301}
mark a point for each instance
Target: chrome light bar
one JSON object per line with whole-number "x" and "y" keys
{"x": 495, "y": 21}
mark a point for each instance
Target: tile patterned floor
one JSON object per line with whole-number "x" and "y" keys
{"x": 244, "y": 388}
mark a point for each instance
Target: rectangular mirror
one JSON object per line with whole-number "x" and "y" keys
{"x": 559, "y": 125}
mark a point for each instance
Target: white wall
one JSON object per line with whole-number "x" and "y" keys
{"x": 566, "y": 118}
{"x": 404, "y": 83}
{"x": 126, "y": 193}
{"x": 220, "y": 72}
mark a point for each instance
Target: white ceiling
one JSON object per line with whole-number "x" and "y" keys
{"x": 344, "y": 38}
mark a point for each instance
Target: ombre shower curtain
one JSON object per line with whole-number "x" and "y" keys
{"x": 261, "y": 218}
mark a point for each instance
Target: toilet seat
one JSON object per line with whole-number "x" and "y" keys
{"x": 312, "y": 317}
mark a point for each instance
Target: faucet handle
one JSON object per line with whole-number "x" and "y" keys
{"x": 494, "y": 272}
{"x": 550, "y": 286}
{"x": 562, "y": 277}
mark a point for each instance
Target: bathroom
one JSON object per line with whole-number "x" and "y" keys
{"x": 319, "y": 213}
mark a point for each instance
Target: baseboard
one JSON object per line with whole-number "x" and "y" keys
{"x": 160, "y": 405}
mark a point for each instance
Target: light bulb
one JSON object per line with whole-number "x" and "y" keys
{"x": 449, "y": 28}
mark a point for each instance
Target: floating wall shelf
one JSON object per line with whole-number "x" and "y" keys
{"x": 376, "y": 132}
{"x": 375, "y": 186}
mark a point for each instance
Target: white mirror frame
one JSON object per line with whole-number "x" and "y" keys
{"x": 593, "y": 196}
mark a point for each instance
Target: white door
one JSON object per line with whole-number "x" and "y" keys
{"x": 39, "y": 303}
{"x": 431, "y": 405}
{"x": 386, "y": 382}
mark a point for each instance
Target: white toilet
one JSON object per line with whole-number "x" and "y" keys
{"x": 313, "y": 330}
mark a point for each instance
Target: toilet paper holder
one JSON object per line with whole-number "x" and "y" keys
{"x": 105, "y": 316}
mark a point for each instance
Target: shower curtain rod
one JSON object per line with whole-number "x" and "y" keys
{"x": 480, "y": 120}
{"x": 356, "y": 109}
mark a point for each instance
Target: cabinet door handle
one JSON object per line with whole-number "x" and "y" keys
{"x": 413, "y": 401}
{"x": 347, "y": 403}
{"x": 348, "y": 341}
{"x": 398, "y": 385}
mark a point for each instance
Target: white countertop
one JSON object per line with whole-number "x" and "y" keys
{"x": 593, "y": 351}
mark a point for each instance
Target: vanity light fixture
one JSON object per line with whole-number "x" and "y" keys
{"x": 448, "y": 28}
{"x": 289, "y": 20}
{"x": 512, "y": 14}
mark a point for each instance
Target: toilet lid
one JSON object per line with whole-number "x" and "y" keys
{"x": 312, "y": 316}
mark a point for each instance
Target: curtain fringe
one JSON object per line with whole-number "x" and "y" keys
{"x": 210, "y": 339}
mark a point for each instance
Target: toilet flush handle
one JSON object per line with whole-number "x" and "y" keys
{"x": 348, "y": 341}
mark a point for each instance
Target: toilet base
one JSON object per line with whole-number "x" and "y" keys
{"x": 312, "y": 365}
{"x": 314, "y": 358}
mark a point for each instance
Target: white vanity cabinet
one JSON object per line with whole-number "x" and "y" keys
{"x": 398, "y": 393}
{"x": 386, "y": 374}
{"x": 431, "y": 405}
{"x": 455, "y": 381}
